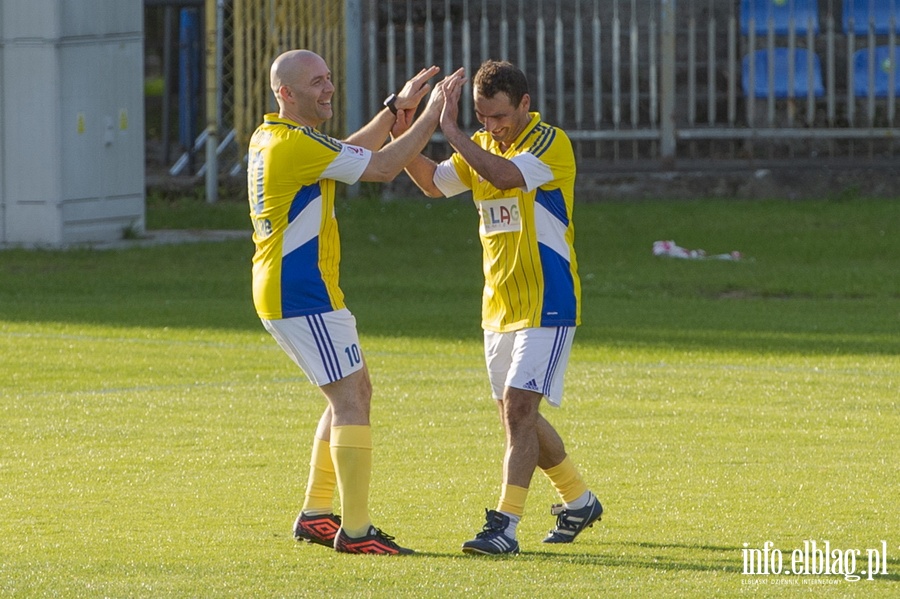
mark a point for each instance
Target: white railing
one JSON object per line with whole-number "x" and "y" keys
{"x": 634, "y": 79}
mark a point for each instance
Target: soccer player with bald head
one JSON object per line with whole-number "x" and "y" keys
{"x": 291, "y": 175}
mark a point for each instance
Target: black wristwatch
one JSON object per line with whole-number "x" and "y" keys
{"x": 391, "y": 103}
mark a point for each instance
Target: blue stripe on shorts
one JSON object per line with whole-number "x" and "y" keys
{"x": 328, "y": 355}
{"x": 555, "y": 354}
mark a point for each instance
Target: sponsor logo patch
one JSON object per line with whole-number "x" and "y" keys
{"x": 499, "y": 216}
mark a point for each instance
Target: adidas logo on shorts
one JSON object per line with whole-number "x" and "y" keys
{"x": 531, "y": 385}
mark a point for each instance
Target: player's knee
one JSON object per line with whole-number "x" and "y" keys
{"x": 521, "y": 410}
{"x": 364, "y": 389}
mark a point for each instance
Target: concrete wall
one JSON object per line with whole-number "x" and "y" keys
{"x": 71, "y": 121}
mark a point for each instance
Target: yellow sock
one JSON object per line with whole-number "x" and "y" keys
{"x": 351, "y": 453}
{"x": 322, "y": 480}
{"x": 566, "y": 480}
{"x": 512, "y": 500}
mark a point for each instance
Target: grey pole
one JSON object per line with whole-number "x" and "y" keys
{"x": 353, "y": 57}
{"x": 667, "y": 82}
{"x": 212, "y": 86}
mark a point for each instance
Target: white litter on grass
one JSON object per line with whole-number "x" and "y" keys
{"x": 670, "y": 249}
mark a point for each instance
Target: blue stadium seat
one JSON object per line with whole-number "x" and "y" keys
{"x": 878, "y": 11}
{"x": 804, "y": 12}
{"x": 883, "y": 67}
{"x": 759, "y": 88}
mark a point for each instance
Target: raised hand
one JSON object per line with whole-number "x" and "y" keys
{"x": 415, "y": 89}
{"x": 402, "y": 122}
{"x": 435, "y": 105}
{"x": 452, "y": 90}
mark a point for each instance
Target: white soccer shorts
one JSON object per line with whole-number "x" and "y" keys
{"x": 325, "y": 346}
{"x": 532, "y": 359}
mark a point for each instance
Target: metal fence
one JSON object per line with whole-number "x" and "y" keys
{"x": 632, "y": 81}
{"x": 240, "y": 38}
{"x": 262, "y": 30}
{"x": 651, "y": 79}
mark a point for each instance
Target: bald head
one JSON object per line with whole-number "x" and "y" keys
{"x": 301, "y": 82}
{"x": 291, "y": 66}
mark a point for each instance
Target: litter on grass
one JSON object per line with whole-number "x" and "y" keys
{"x": 670, "y": 249}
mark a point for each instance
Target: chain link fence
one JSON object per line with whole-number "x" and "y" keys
{"x": 260, "y": 30}
{"x": 245, "y": 35}
{"x": 598, "y": 68}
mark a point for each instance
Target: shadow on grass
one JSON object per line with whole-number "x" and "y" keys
{"x": 656, "y": 556}
{"x": 425, "y": 294}
{"x": 711, "y": 561}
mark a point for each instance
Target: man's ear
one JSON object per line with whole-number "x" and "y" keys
{"x": 525, "y": 104}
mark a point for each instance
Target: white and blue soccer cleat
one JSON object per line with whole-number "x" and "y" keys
{"x": 569, "y": 523}
{"x": 492, "y": 539}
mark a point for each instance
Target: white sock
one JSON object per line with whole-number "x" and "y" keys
{"x": 579, "y": 503}
{"x": 513, "y": 523}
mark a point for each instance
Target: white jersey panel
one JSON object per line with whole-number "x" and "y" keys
{"x": 551, "y": 231}
{"x": 534, "y": 170}
{"x": 304, "y": 228}
{"x": 447, "y": 180}
{"x": 349, "y": 164}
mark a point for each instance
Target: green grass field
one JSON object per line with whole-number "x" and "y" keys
{"x": 154, "y": 439}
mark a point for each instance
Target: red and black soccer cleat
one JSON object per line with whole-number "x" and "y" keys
{"x": 375, "y": 542}
{"x": 317, "y": 529}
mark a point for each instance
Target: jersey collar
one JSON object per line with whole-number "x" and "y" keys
{"x": 272, "y": 118}
{"x": 528, "y": 131}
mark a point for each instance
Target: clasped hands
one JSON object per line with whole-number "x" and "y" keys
{"x": 443, "y": 103}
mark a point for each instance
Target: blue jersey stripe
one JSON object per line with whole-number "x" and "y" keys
{"x": 303, "y": 291}
{"x": 542, "y": 144}
{"x": 559, "y": 306}
{"x": 554, "y": 202}
{"x": 541, "y": 138}
{"x": 280, "y": 124}
{"x": 302, "y": 199}
{"x": 325, "y": 140}
{"x": 537, "y": 129}
{"x": 320, "y": 137}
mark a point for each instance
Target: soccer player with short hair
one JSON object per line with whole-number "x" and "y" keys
{"x": 291, "y": 174}
{"x": 521, "y": 172}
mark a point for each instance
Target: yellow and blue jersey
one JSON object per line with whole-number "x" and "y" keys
{"x": 291, "y": 176}
{"x": 527, "y": 234}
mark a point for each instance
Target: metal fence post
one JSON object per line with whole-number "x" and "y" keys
{"x": 212, "y": 106}
{"x": 667, "y": 81}
{"x": 353, "y": 80}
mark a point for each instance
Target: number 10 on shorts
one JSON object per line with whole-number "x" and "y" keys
{"x": 354, "y": 356}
